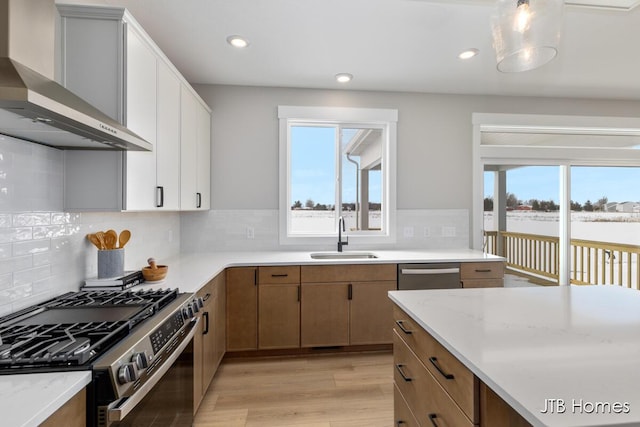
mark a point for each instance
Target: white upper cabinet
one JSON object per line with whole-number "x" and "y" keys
{"x": 108, "y": 59}
{"x": 195, "y": 153}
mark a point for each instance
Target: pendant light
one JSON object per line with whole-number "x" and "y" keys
{"x": 526, "y": 33}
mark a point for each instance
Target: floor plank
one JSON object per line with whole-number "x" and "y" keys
{"x": 344, "y": 390}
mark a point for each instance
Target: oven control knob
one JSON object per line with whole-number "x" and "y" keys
{"x": 140, "y": 360}
{"x": 187, "y": 312}
{"x": 200, "y": 302}
{"x": 196, "y": 307}
{"x": 127, "y": 373}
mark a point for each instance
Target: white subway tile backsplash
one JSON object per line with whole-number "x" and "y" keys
{"x": 31, "y": 247}
{"x": 8, "y": 235}
{"x": 6, "y": 281}
{"x": 5, "y": 250}
{"x": 226, "y": 230}
{"x": 31, "y": 218}
{"x": 43, "y": 250}
{"x": 5, "y": 220}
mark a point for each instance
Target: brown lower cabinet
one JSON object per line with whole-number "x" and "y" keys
{"x": 432, "y": 387}
{"x": 72, "y": 414}
{"x": 346, "y": 304}
{"x": 209, "y": 344}
{"x": 242, "y": 308}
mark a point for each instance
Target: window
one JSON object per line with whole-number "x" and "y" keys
{"x": 588, "y": 160}
{"x": 339, "y": 162}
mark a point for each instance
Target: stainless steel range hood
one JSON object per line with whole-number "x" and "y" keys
{"x": 33, "y": 106}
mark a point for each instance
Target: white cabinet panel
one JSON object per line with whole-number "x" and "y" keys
{"x": 140, "y": 117}
{"x": 168, "y": 140}
{"x": 188, "y": 150}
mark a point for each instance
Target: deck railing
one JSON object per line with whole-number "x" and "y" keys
{"x": 592, "y": 262}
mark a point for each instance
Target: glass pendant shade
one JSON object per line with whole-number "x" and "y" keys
{"x": 526, "y": 33}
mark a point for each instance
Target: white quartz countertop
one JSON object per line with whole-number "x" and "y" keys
{"x": 28, "y": 400}
{"x": 580, "y": 344}
{"x": 189, "y": 272}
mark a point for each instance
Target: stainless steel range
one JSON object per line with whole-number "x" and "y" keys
{"x": 138, "y": 346}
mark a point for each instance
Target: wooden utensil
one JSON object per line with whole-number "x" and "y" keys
{"x": 125, "y": 235}
{"x": 100, "y": 236}
{"x": 93, "y": 239}
{"x": 110, "y": 239}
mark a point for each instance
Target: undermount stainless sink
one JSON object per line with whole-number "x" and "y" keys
{"x": 343, "y": 255}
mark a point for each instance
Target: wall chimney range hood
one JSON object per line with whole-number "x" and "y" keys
{"x": 33, "y": 107}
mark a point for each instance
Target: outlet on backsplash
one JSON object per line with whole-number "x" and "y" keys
{"x": 250, "y": 233}
{"x": 448, "y": 231}
{"x": 408, "y": 232}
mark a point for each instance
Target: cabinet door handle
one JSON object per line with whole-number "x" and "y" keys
{"x": 159, "y": 196}
{"x": 432, "y": 418}
{"x": 400, "y": 324}
{"x": 198, "y": 200}
{"x": 299, "y": 294}
{"x": 400, "y": 370}
{"x": 400, "y": 423}
{"x": 483, "y": 270}
{"x": 206, "y": 323}
{"x": 434, "y": 362}
{"x": 280, "y": 275}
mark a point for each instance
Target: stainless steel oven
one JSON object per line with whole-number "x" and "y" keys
{"x": 147, "y": 380}
{"x": 137, "y": 345}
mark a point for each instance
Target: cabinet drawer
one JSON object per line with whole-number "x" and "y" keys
{"x": 402, "y": 415}
{"x": 454, "y": 377}
{"x": 427, "y": 400}
{"x": 279, "y": 274}
{"x": 482, "y": 270}
{"x": 348, "y": 273}
{"x": 483, "y": 283}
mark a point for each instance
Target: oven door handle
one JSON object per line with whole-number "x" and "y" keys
{"x": 118, "y": 413}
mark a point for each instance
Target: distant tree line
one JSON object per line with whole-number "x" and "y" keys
{"x": 311, "y": 205}
{"x": 513, "y": 203}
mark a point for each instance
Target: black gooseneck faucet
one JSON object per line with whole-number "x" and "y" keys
{"x": 341, "y": 228}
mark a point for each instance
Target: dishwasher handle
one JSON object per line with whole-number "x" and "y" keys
{"x": 424, "y": 271}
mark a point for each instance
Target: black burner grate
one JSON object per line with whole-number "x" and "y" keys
{"x": 74, "y": 328}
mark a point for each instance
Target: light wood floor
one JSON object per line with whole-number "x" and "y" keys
{"x": 346, "y": 390}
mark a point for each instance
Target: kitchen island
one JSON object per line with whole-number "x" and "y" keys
{"x": 556, "y": 356}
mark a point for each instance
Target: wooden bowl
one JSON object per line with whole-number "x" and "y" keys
{"x": 154, "y": 274}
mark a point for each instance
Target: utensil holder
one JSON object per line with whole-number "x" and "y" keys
{"x": 110, "y": 263}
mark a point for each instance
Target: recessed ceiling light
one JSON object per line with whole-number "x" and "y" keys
{"x": 237, "y": 41}
{"x": 344, "y": 77}
{"x": 469, "y": 53}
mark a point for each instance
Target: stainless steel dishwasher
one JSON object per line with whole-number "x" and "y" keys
{"x": 429, "y": 276}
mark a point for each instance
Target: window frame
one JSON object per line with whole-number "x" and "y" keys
{"x": 341, "y": 117}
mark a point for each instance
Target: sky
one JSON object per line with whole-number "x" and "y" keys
{"x": 617, "y": 184}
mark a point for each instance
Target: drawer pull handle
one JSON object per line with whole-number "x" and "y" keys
{"x": 400, "y": 423}
{"x": 432, "y": 418}
{"x": 279, "y": 275}
{"x": 402, "y": 374}
{"x": 400, "y": 324}
{"x": 434, "y": 362}
{"x": 206, "y": 297}
{"x": 483, "y": 270}
{"x": 206, "y": 323}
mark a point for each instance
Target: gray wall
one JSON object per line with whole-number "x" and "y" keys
{"x": 434, "y": 139}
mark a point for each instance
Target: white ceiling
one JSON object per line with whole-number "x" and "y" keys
{"x": 388, "y": 45}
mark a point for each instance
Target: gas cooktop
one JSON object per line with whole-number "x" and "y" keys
{"x": 70, "y": 331}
